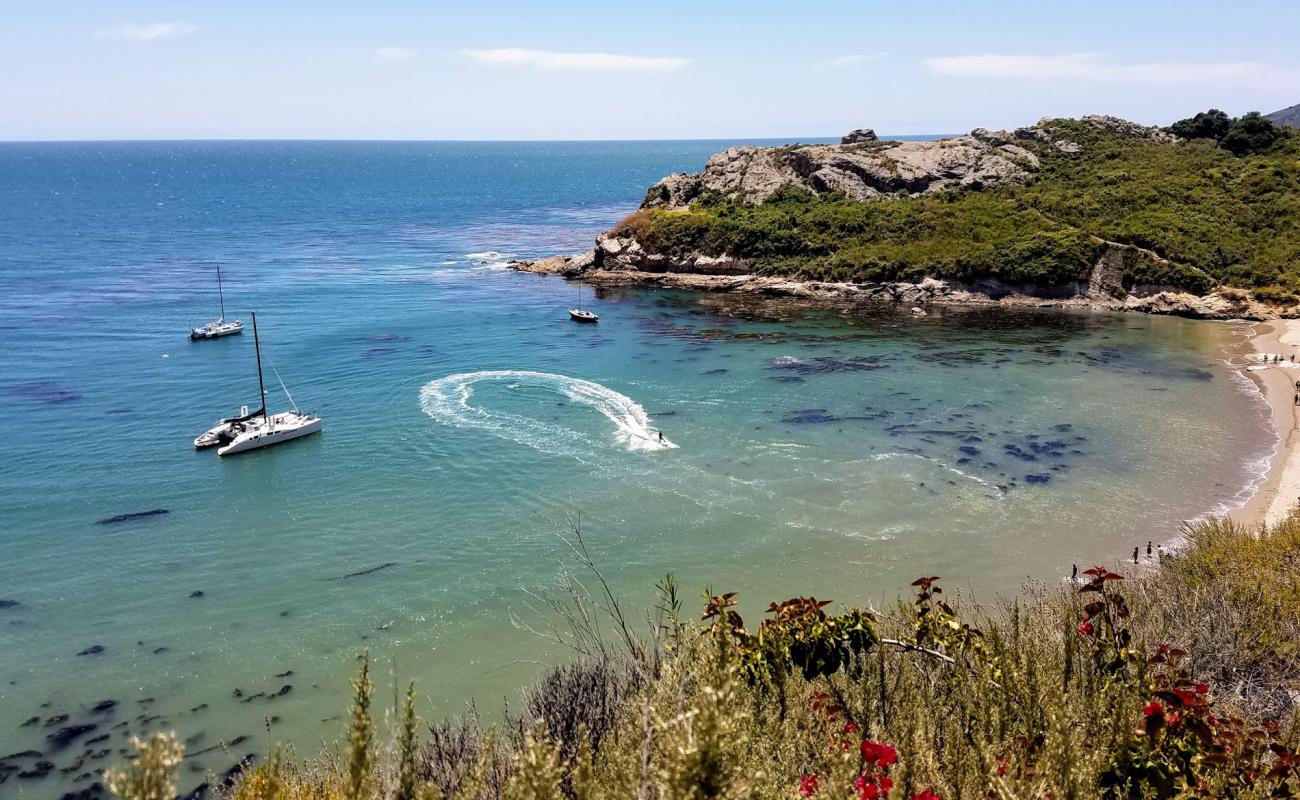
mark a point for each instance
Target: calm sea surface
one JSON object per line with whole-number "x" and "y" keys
{"x": 466, "y": 419}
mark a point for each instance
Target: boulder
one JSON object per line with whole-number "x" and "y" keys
{"x": 858, "y": 136}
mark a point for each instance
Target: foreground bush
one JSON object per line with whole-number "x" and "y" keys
{"x": 1169, "y": 685}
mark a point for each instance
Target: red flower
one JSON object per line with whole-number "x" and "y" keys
{"x": 1085, "y": 628}
{"x": 878, "y": 753}
{"x": 1173, "y": 718}
{"x": 849, "y": 727}
{"x": 873, "y": 790}
{"x": 1002, "y": 766}
{"x": 927, "y": 794}
{"x": 808, "y": 785}
{"x": 1153, "y": 709}
{"x": 1202, "y": 688}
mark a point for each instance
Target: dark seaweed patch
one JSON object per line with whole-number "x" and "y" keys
{"x": 131, "y": 517}
{"x": 825, "y": 365}
{"x": 46, "y": 392}
{"x": 368, "y": 571}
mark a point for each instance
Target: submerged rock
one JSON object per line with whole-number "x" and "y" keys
{"x": 93, "y": 650}
{"x": 134, "y": 515}
{"x": 369, "y": 571}
{"x": 38, "y": 771}
{"x": 66, "y": 736}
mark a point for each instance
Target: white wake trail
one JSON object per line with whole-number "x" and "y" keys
{"x": 448, "y": 400}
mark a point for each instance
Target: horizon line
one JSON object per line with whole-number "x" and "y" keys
{"x": 883, "y": 137}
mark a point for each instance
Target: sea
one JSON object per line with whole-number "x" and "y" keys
{"x": 483, "y": 458}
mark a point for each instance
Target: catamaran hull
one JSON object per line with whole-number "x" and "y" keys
{"x": 214, "y": 331}
{"x": 265, "y": 436}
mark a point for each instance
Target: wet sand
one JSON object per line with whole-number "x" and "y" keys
{"x": 1280, "y": 492}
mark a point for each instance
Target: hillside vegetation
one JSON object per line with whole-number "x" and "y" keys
{"x": 1222, "y": 210}
{"x": 1176, "y": 684}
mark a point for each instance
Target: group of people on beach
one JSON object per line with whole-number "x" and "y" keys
{"x": 1137, "y": 552}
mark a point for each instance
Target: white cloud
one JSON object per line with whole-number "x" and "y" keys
{"x": 146, "y": 32}
{"x": 1100, "y": 67}
{"x": 604, "y": 62}
{"x": 394, "y": 54}
{"x": 849, "y": 60}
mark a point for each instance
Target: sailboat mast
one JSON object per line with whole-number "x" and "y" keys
{"x": 261, "y": 387}
{"x": 221, "y": 295}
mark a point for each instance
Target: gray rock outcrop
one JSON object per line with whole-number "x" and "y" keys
{"x": 753, "y": 174}
{"x": 859, "y": 136}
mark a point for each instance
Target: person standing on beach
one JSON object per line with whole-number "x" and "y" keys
{"x": 1135, "y": 555}
{"x": 1148, "y": 549}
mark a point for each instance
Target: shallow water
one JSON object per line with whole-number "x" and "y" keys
{"x": 467, "y": 420}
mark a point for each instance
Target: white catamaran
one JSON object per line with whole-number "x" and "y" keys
{"x": 249, "y": 431}
{"x": 219, "y": 326}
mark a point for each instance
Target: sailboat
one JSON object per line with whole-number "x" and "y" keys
{"x": 249, "y": 431}
{"x": 577, "y": 314}
{"x": 219, "y": 326}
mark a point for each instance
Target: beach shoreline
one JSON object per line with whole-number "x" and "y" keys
{"x": 1278, "y": 495}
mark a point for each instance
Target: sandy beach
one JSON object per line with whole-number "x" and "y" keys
{"x": 1281, "y": 489}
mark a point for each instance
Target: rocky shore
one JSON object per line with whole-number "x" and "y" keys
{"x": 866, "y": 169}
{"x": 621, "y": 262}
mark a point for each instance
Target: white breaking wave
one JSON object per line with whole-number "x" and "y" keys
{"x": 448, "y": 400}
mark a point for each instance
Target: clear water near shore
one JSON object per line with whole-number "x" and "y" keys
{"x": 465, "y": 418}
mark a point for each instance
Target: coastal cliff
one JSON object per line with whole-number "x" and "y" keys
{"x": 1096, "y": 212}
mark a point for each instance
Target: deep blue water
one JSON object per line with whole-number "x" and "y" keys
{"x": 466, "y": 420}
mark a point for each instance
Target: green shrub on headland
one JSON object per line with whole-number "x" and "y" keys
{"x": 1224, "y": 209}
{"x": 1176, "y": 684}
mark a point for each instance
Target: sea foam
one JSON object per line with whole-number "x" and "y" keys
{"x": 448, "y": 400}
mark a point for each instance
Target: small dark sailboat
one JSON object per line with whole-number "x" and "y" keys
{"x": 578, "y": 314}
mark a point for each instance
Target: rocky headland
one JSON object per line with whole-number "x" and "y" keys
{"x": 865, "y": 169}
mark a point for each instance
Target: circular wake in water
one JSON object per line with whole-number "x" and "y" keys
{"x": 448, "y": 400}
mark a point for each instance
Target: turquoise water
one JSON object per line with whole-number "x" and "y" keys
{"x": 466, "y": 420}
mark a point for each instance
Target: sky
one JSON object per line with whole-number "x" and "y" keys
{"x": 669, "y": 69}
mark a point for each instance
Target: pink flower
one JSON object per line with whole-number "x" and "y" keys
{"x": 808, "y": 785}
{"x": 850, "y": 727}
{"x": 1085, "y": 629}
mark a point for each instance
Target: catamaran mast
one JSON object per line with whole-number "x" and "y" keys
{"x": 221, "y": 296}
{"x": 261, "y": 387}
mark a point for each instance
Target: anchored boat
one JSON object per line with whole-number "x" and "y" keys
{"x": 578, "y": 314}
{"x": 250, "y": 431}
{"x": 219, "y": 326}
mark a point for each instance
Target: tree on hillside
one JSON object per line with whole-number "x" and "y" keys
{"x": 1250, "y": 134}
{"x": 1212, "y": 124}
